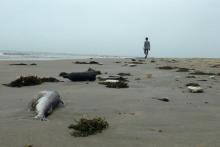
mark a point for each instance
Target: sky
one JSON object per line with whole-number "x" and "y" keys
{"x": 175, "y": 28}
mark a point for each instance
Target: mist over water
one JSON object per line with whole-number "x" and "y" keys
{"x": 176, "y": 28}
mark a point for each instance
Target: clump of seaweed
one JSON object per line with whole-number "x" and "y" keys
{"x": 190, "y": 77}
{"x": 166, "y": 67}
{"x": 124, "y": 74}
{"x": 86, "y": 127}
{"x": 118, "y": 84}
{"x": 193, "y": 84}
{"x": 18, "y": 64}
{"x": 216, "y": 66}
{"x": 182, "y": 70}
{"x": 30, "y": 81}
{"x": 202, "y": 73}
{"x": 91, "y": 62}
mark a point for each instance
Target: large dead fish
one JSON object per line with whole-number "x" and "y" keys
{"x": 45, "y": 103}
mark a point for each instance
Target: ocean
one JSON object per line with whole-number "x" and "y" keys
{"x": 18, "y": 55}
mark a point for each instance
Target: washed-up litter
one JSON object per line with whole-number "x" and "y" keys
{"x": 195, "y": 89}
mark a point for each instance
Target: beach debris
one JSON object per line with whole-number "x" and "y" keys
{"x": 203, "y": 80}
{"x": 24, "y": 64}
{"x": 148, "y": 76}
{"x": 124, "y": 74}
{"x": 33, "y": 64}
{"x": 89, "y": 75}
{"x": 190, "y": 76}
{"x": 85, "y": 127}
{"x": 182, "y": 70}
{"x": 133, "y": 59}
{"x": 193, "y": 84}
{"x": 91, "y": 62}
{"x": 167, "y": 67}
{"x": 137, "y": 79}
{"x": 202, "y": 73}
{"x": 114, "y": 84}
{"x": 165, "y": 99}
{"x": 18, "y": 64}
{"x": 132, "y": 65}
{"x": 216, "y": 66}
{"x": 212, "y": 77}
{"x": 152, "y": 61}
{"x": 29, "y": 145}
{"x": 112, "y": 78}
{"x": 195, "y": 89}
{"x": 135, "y": 62}
{"x": 30, "y": 81}
{"x": 117, "y": 62}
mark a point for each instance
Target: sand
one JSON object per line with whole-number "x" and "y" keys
{"x": 135, "y": 118}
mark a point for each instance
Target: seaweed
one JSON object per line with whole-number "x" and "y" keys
{"x": 91, "y": 62}
{"x": 216, "y": 66}
{"x": 193, "y": 84}
{"x": 30, "y": 81}
{"x": 182, "y": 70}
{"x": 119, "y": 84}
{"x": 166, "y": 67}
{"x": 18, "y": 64}
{"x": 202, "y": 73}
{"x": 86, "y": 127}
{"x": 190, "y": 77}
{"x": 124, "y": 74}
{"x": 33, "y": 64}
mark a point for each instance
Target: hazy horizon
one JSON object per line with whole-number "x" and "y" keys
{"x": 180, "y": 28}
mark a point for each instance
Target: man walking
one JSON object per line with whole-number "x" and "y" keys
{"x": 146, "y": 47}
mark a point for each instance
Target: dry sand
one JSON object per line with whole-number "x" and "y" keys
{"x": 188, "y": 120}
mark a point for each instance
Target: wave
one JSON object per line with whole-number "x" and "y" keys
{"x": 17, "y": 55}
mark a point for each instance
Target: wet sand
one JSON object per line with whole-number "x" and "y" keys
{"x": 135, "y": 118}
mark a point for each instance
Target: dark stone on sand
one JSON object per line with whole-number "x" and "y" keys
{"x": 86, "y": 127}
{"x": 162, "y": 99}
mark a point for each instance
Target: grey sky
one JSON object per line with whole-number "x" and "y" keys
{"x": 182, "y": 28}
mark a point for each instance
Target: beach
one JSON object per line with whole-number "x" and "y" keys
{"x": 135, "y": 115}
